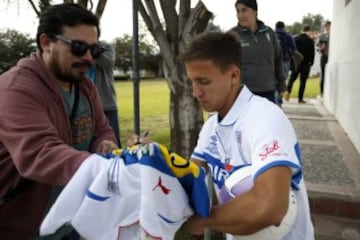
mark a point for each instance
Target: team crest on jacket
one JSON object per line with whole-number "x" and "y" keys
{"x": 212, "y": 147}
{"x": 238, "y": 135}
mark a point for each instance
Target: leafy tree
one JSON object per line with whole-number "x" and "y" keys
{"x": 295, "y": 28}
{"x": 123, "y": 49}
{"x": 149, "y": 56}
{"x": 13, "y": 46}
{"x": 181, "y": 24}
{"x": 314, "y": 21}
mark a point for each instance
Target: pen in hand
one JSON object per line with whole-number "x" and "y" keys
{"x": 145, "y": 134}
{"x": 142, "y": 137}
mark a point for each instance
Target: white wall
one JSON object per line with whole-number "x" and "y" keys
{"x": 342, "y": 78}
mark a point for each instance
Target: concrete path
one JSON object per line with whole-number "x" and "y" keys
{"x": 331, "y": 167}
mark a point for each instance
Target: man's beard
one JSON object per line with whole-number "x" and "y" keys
{"x": 67, "y": 76}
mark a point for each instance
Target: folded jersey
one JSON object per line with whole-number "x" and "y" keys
{"x": 172, "y": 189}
{"x": 93, "y": 205}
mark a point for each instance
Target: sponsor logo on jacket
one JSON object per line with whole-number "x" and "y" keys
{"x": 269, "y": 149}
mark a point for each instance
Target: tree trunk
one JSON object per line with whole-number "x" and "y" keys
{"x": 186, "y": 119}
{"x": 186, "y": 116}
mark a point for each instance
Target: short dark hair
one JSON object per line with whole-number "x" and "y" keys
{"x": 327, "y": 22}
{"x": 224, "y": 49}
{"x": 67, "y": 14}
{"x": 306, "y": 28}
{"x": 249, "y": 3}
{"x": 280, "y": 25}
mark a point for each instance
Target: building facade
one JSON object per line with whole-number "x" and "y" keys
{"x": 342, "y": 77}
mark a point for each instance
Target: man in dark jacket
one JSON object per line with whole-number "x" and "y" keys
{"x": 288, "y": 48}
{"x": 323, "y": 48}
{"x": 305, "y": 46}
{"x": 287, "y": 44}
{"x": 261, "y": 61}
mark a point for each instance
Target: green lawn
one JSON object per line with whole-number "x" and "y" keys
{"x": 154, "y": 109}
{"x": 312, "y": 89}
{"x": 154, "y": 106}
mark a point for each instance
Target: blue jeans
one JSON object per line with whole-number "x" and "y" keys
{"x": 286, "y": 69}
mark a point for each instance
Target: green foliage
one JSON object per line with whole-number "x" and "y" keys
{"x": 123, "y": 49}
{"x": 295, "y": 28}
{"x": 13, "y": 46}
{"x": 314, "y": 21}
{"x": 149, "y": 57}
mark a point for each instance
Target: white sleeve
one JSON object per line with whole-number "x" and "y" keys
{"x": 273, "y": 144}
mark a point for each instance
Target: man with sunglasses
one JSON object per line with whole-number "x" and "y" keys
{"x": 51, "y": 118}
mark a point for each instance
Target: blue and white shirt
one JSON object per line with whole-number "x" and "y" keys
{"x": 255, "y": 132}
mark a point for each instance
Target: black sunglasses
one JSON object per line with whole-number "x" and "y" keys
{"x": 79, "y": 48}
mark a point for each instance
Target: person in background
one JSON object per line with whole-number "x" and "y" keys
{"x": 245, "y": 131}
{"x": 323, "y": 49}
{"x": 288, "y": 48}
{"x": 105, "y": 84}
{"x": 262, "y": 67}
{"x": 51, "y": 120}
{"x": 305, "y": 46}
{"x": 287, "y": 44}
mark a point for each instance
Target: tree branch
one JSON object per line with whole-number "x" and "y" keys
{"x": 34, "y": 8}
{"x": 83, "y": 3}
{"x": 146, "y": 18}
{"x": 197, "y": 22}
{"x": 183, "y": 15}
{"x": 160, "y": 37}
{"x": 100, "y": 8}
{"x": 171, "y": 21}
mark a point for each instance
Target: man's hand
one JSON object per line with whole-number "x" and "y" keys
{"x": 136, "y": 139}
{"x": 196, "y": 225}
{"x": 282, "y": 94}
{"x": 106, "y": 146}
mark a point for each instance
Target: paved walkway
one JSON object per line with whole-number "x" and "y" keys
{"x": 331, "y": 168}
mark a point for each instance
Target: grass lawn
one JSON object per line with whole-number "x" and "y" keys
{"x": 312, "y": 89}
{"x": 154, "y": 106}
{"x": 154, "y": 109}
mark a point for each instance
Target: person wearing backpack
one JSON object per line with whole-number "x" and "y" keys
{"x": 288, "y": 46}
{"x": 305, "y": 45}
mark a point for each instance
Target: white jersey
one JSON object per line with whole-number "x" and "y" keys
{"x": 96, "y": 207}
{"x": 172, "y": 189}
{"x": 255, "y": 132}
{"x": 147, "y": 194}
